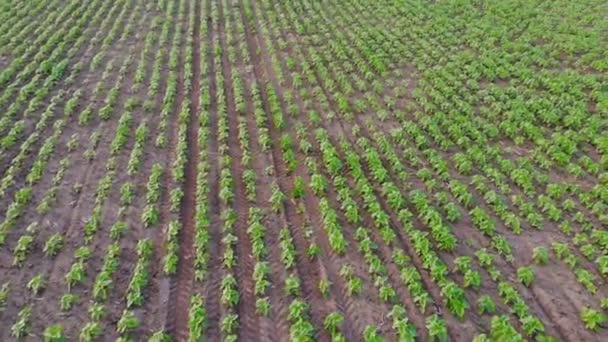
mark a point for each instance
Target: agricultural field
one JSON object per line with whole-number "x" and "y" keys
{"x": 336, "y": 170}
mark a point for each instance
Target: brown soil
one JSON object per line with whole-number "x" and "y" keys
{"x": 179, "y": 299}
{"x": 271, "y": 52}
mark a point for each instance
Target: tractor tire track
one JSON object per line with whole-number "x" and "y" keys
{"x": 180, "y": 294}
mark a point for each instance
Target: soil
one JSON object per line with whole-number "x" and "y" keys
{"x": 179, "y": 299}
{"x": 269, "y": 49}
